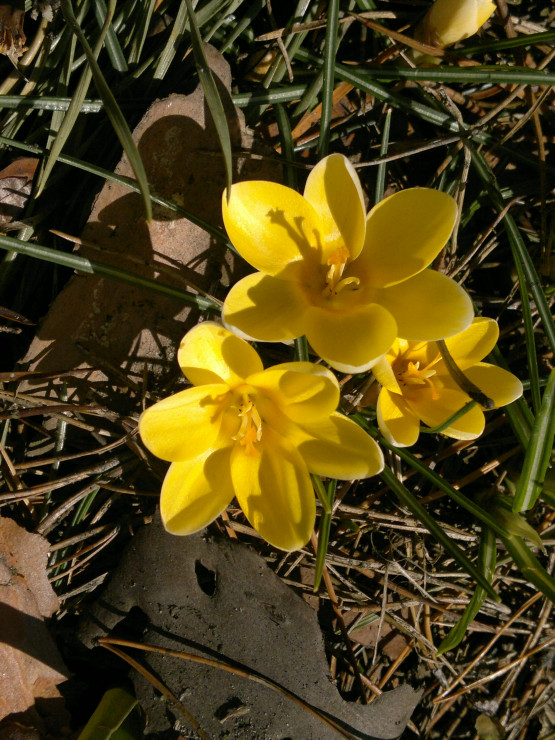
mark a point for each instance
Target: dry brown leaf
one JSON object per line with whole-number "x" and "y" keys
{"x": 30, "y": 665}
{"x": 16, "y": 182}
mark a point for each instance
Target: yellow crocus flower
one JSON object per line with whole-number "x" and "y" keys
{"x": 350, "y": 283}
{"x": 417, "y": 386}
{"x": 450, "y": 21}
{"x": 251, "y": 433}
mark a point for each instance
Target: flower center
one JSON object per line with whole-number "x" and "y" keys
{"x": 337, "y": 262}
{"x": 250, "y": 430}
{"x": 412, "y": 375}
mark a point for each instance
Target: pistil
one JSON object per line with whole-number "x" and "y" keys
{"x": 250, "y": 430}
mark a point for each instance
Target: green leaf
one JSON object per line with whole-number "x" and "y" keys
{"x": 538, "y": 452}
{"x": 211, "y": 94}
{"x": 326, "y": 496}
{"x": 487, "y": 558}
{"x": 500, "y": 507}
{"x": 530, "y": 566}
{"x": 330, "y": 50}
{"x": 112, "y": 109}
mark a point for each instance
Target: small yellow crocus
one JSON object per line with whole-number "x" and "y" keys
{"x": 418, "y": 388}
{"x": 450, "y": 21}
{"x": 254, "y": 434}
{"x": 350, "y": 283}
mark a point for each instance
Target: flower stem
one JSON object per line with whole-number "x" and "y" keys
{"x": 461, "y": 380}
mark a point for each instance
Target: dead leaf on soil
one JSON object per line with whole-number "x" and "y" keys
{"x": 16, "y": 182}
{"x": 30, "y": 665}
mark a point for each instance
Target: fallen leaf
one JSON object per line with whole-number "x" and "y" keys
{"x": 218, "y": 598}
{"x": 16, "y": 182}
{"x": 30, "y": 665}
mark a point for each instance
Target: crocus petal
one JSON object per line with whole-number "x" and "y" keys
{"x": 474, "y": 343}
{"x": 184, "y": 425}
{"x": 428, "y": 306}
{"x": 352, "y": 340}
{"x": 449, "y": 21}
{"x": 303, "y": 391}
{"x": 383, "y": 372}
{"x": 275, "y": 492}
{"x": 196, "y": 491}
{"x": 272, "y": 226}
{"x": 333, "y": 188}
{"x": 208, "y": 353}
{"x": 498, "y": 384}
{"x": 433, "y": 411}
{"x": 337, "y": 448}
{"x": 266, "y": 308}
{"x": 404, "y": 233}
{"x": 397, "y": 421}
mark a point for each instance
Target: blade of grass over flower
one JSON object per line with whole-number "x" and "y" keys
{"x": 211, "y": 95}
{"x": 487, "y": 559}
{"x": 460, "y": 378}
{"x": 128, "y": 182}
{"x": 112, "y": 109}
{"x": 408, "y": 500}
{"x": 93, "y": 267}
{"x": 530, "y": 566}
{"x": 287, "y": 147}
{"x": 324, "y": 529}
{"x": 538, "y": 452}
{"x": 112, "y": 44}
{"x": 330, "y": 50}
{"x": 382, "y": 167}
{"x": 447, "y": 423}
{"x": 73, "y": 110}
{"x": 473, "y": 508}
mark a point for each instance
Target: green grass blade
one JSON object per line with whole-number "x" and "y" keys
{"x": 139, "y": 37}
{"x": 529, "y": 40}
{"x": 93, "y": 267}
{"x": 538, "y": 453}
{"x": 518, "y": 412}
{"x": 473, "y": 508}
{"x": 211, "y": 95}
{"x": 487, "y": 558}
{"x": 530, "y": 566}
{"x": 106, "y": 720}
{"x": 112, "y": 44}
{"x": 243, "y": 23}
{"x": 112, "y": 109}
{"x": 473, "y": 75}
{"x": 73, "y": 110}
{"x": 382, "y": 167}
{"x": 408, "y": 500}
{"x": 177, "y": 30}
{"x": 127, "y": 182}
{"x": 287, "y": 146}
{"x": 324, "y": 533}
{"x": 269, "y": 97}
{"x": 330, "y": 50}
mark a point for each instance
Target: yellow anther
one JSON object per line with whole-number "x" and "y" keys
{"x": 412, "y": 375}
{"x": 250, "y": 430}
{"x": 337, "y": 262}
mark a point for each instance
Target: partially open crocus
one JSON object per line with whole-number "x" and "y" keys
{"x": 351, "y": 284}
{"x": 417, "y": 386}
{"x": 450, "y": 21}
{"x": 251, "y": 433}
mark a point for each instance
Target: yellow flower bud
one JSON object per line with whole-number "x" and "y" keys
{"x": 449, "y": 21}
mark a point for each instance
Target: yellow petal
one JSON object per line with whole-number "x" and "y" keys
{"x": 474, "y": 343}
{"x": 196, "y": 491}
{"x": 303, "y": 391}
{"x": 272, "y": 226}
{"x": 266, "y": 308}
{"x": 275, "y": 492}
{"x": 183, "y": 426}
{"x": 337, "y": 448}
{"x": 434, "y": 411}
{"x": 333, "y": 188}
{"x": 383, "y": 372}
{"x": 351, "y": 340}
{"x": 404, "y": 233}
{"x": 428, "y": 306}
{"x": 498, "y": 384}
{"x": 449, "y": 21}
{"x": 211, "y": 354}
{"x": 397, "y": 421}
